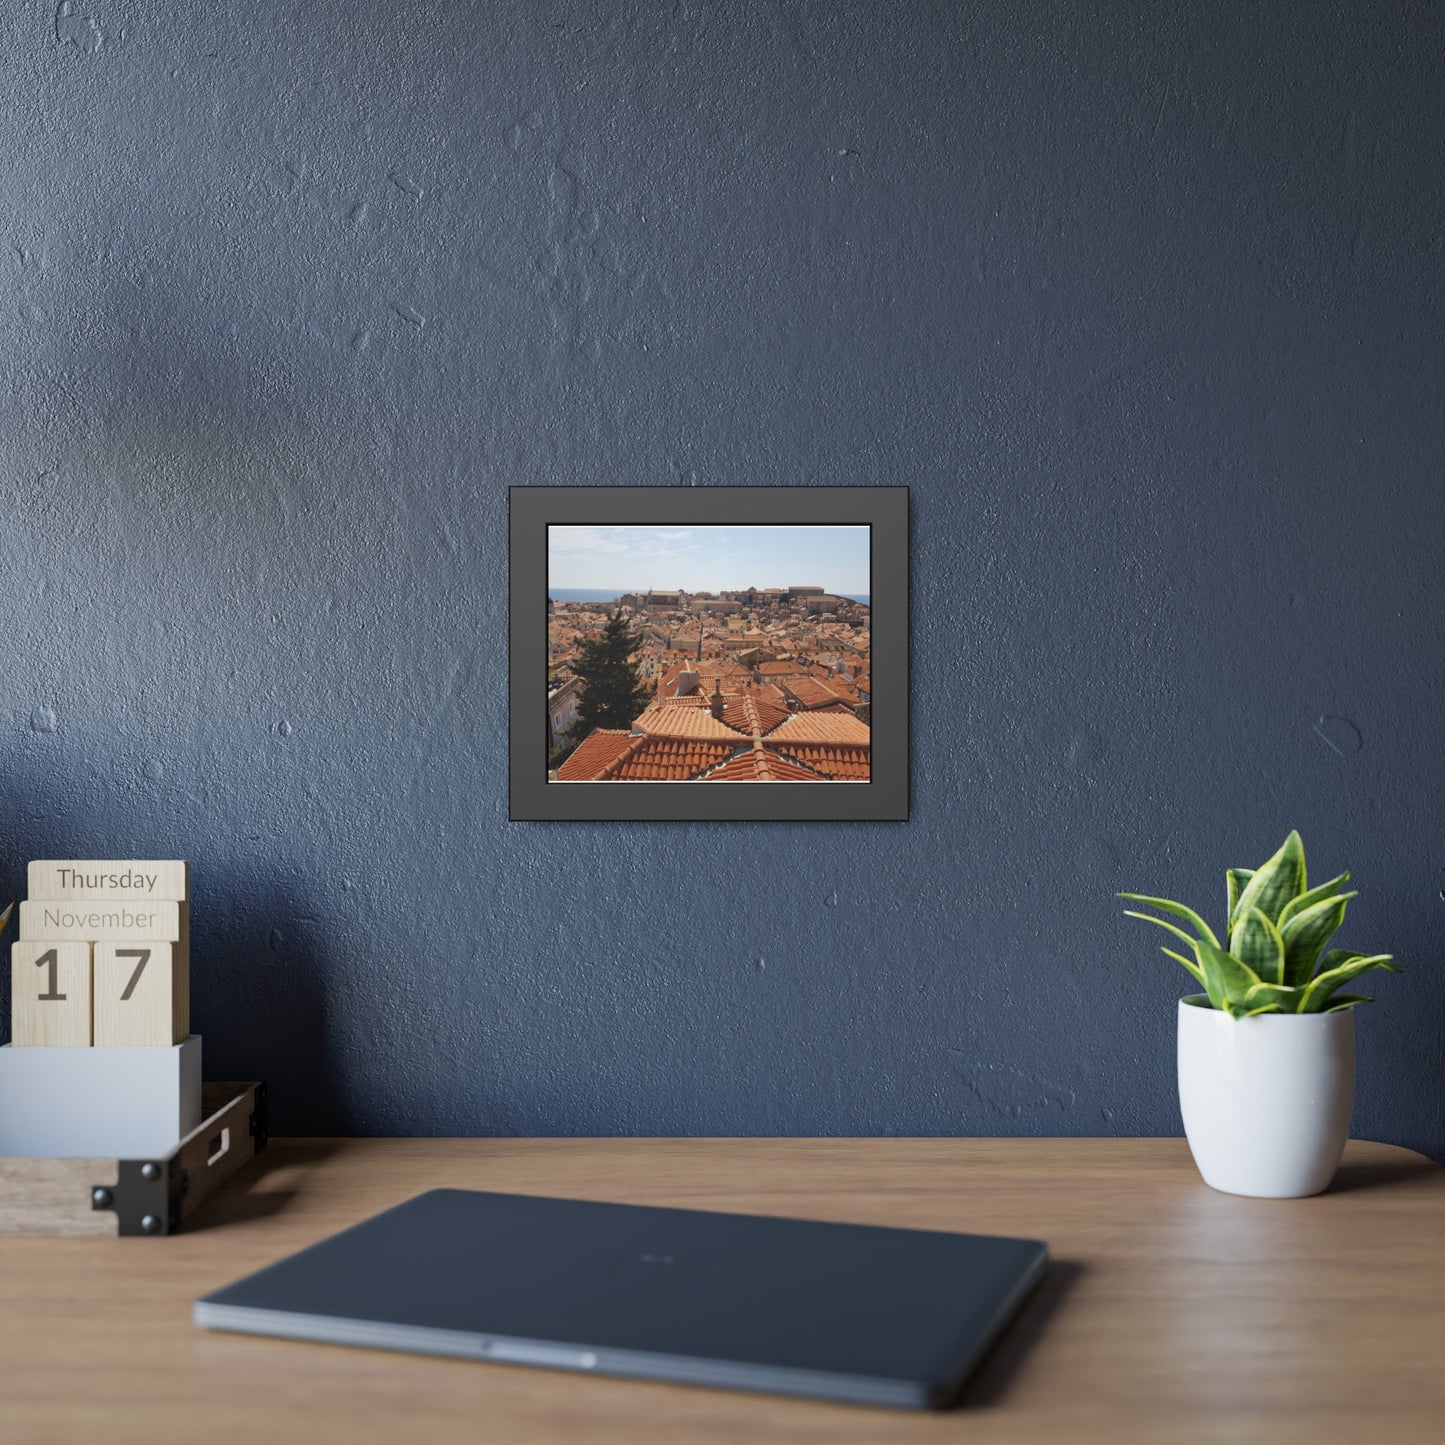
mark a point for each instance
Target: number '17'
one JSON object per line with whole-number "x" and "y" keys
{"x": 50, "y": 959}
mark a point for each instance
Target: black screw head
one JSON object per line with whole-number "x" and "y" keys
{"x": 150, "y": 1172}
{"x": 150, "y": 1224}
{"x": 100, "y": 1198}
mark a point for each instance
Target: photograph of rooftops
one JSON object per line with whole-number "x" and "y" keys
{"x": 708, "y": 654}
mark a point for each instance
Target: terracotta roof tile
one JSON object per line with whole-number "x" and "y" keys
{"x": 711, "y": 672}
{"x": 669, "y": 760}
{"x": 751, "y": 715}
{"x": 593, "y": 753}
{"x": 810, "y": 692}
{"x": 667, "y": 719}
{"x": 839, "y": 764}
{"x": 761, "y": 765}
{"x": 823, "y": 727}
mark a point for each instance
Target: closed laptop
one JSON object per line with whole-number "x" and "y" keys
{"x": 839, "y": 1311}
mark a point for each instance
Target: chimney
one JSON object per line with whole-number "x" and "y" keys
{"x": 687, "y": 683}
{"x": 715, "y": 702}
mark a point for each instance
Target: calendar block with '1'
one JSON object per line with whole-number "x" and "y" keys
{"x": 50, "y": 993}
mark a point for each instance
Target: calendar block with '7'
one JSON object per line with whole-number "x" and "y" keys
{"x": 142, "y": 993}
{"x": 50, "y": 994}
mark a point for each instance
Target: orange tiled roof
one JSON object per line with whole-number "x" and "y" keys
{"x": 711, "y": 671}
{"x": 810, "y": 692}
{"x": 607, "y": 756}
{"x": 669, "y": 760}
{"x": 593, "y": 753}
{"x": 751, "y": 715}
{"x": 823, "y": 727}
{"x": 667, "y": 719}
{"x": 761, "y": 765}
{"x": 839, "y": 764}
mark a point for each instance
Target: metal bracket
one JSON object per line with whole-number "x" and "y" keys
{"x": 146, "y": 1198}
{"x": 259, "y": 1119}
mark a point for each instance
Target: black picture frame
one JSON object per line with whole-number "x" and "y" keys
{"x": 534, "y": 798}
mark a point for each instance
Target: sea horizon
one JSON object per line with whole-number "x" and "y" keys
{"x": 611, "y": 594}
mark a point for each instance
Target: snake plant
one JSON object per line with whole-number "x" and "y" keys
{"x": 1273, "y": 959}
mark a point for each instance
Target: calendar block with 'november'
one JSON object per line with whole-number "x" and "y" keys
{"x": 142, "y": 993}
{"x": 50, "y": 994}
{"x": 85, "y": 922}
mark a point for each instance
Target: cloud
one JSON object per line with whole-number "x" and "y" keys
{"x": 586, "y": 539}
{"x": 613, "y": 541}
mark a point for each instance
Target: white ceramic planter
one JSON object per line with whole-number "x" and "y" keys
{"x": 1266, "y": 1101}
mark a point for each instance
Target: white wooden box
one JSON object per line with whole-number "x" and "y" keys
{"x": 127, "y": 1103}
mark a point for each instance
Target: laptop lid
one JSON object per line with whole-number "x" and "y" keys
{"x": 839, "y": 1311}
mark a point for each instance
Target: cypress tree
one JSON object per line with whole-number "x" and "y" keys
{"x": 613, "y": 693}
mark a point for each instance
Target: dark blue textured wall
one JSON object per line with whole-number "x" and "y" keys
{"x": 1143, "y": 300}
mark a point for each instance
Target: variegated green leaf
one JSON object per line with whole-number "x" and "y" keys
{"x": 1269, "y": 1008}
{"x": 1287, "y": 999}
{"x": 1235, "y": 879}
{"x": 1306, "y": 932}
{"x": 1213, "y": 978}
{"x": 1342, "y": 1001}
{"x": 1313, "y": 896}
{"x": 1256, "y": 942}
{"x": 1188, "y": 963}
{"x": 1322, "y": 985}
{"x": 1167, "y": 905}
{"x": 1276, "y": 882}
{"x": 1335, "y": 957}
{"x": 1226, "y": 979}
{"x": 1161, "y": 923}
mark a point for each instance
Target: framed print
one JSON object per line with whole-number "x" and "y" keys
{"x": 755, "y": 638}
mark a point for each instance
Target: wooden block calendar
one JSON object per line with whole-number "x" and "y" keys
{"x": 103, "y": 957}
{"x": 105, "y": 1125}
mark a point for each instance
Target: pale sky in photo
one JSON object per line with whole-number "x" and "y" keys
{"x": 708, "y": 559}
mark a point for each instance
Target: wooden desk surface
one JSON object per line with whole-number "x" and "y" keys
{"x": 1171, "y": 1313}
